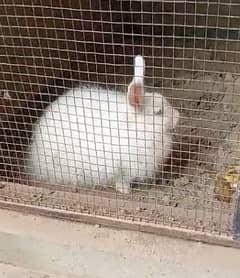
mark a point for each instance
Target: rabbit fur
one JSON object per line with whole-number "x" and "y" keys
{"x": 94, "y": 136}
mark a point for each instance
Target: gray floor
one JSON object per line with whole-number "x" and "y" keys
{"x": 37, "y": 247}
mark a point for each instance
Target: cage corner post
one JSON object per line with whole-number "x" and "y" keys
{"x": 236, "y": 217}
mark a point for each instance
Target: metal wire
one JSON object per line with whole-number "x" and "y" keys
{"x": 191, "y": 51}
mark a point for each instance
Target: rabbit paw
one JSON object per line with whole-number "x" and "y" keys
{"x": 123, "y": 187}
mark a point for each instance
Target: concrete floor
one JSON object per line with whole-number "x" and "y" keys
{"x": 10, "y": 271}
{"x": 39, "y": 247}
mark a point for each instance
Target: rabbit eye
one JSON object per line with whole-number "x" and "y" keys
{"x": 159, "y": 112}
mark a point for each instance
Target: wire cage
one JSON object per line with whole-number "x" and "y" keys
{"x": 59, "y": 59}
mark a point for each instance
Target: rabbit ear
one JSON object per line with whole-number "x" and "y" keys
{"x": 136, "y": 87}
{"x": 139, "y": 69}
{"x": 135, "y": 94}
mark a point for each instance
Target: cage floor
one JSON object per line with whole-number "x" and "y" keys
{"x": 148, "y": 208}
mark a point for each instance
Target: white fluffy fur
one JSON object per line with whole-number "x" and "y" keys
{"x": 91, "y": 136}
{"x": 139, "y": 68}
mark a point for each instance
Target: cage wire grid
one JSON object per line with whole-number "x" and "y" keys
{"x": 191, "y": 52}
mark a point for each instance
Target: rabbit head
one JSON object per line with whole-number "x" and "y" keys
{"x": 154, "y": 108}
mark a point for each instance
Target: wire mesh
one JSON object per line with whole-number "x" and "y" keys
{"x": 65, "y": 69}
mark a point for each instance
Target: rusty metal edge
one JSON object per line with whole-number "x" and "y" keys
{"x": 123, "y": 224}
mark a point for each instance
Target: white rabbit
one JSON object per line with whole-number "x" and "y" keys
{"x": 93, "y": 136}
